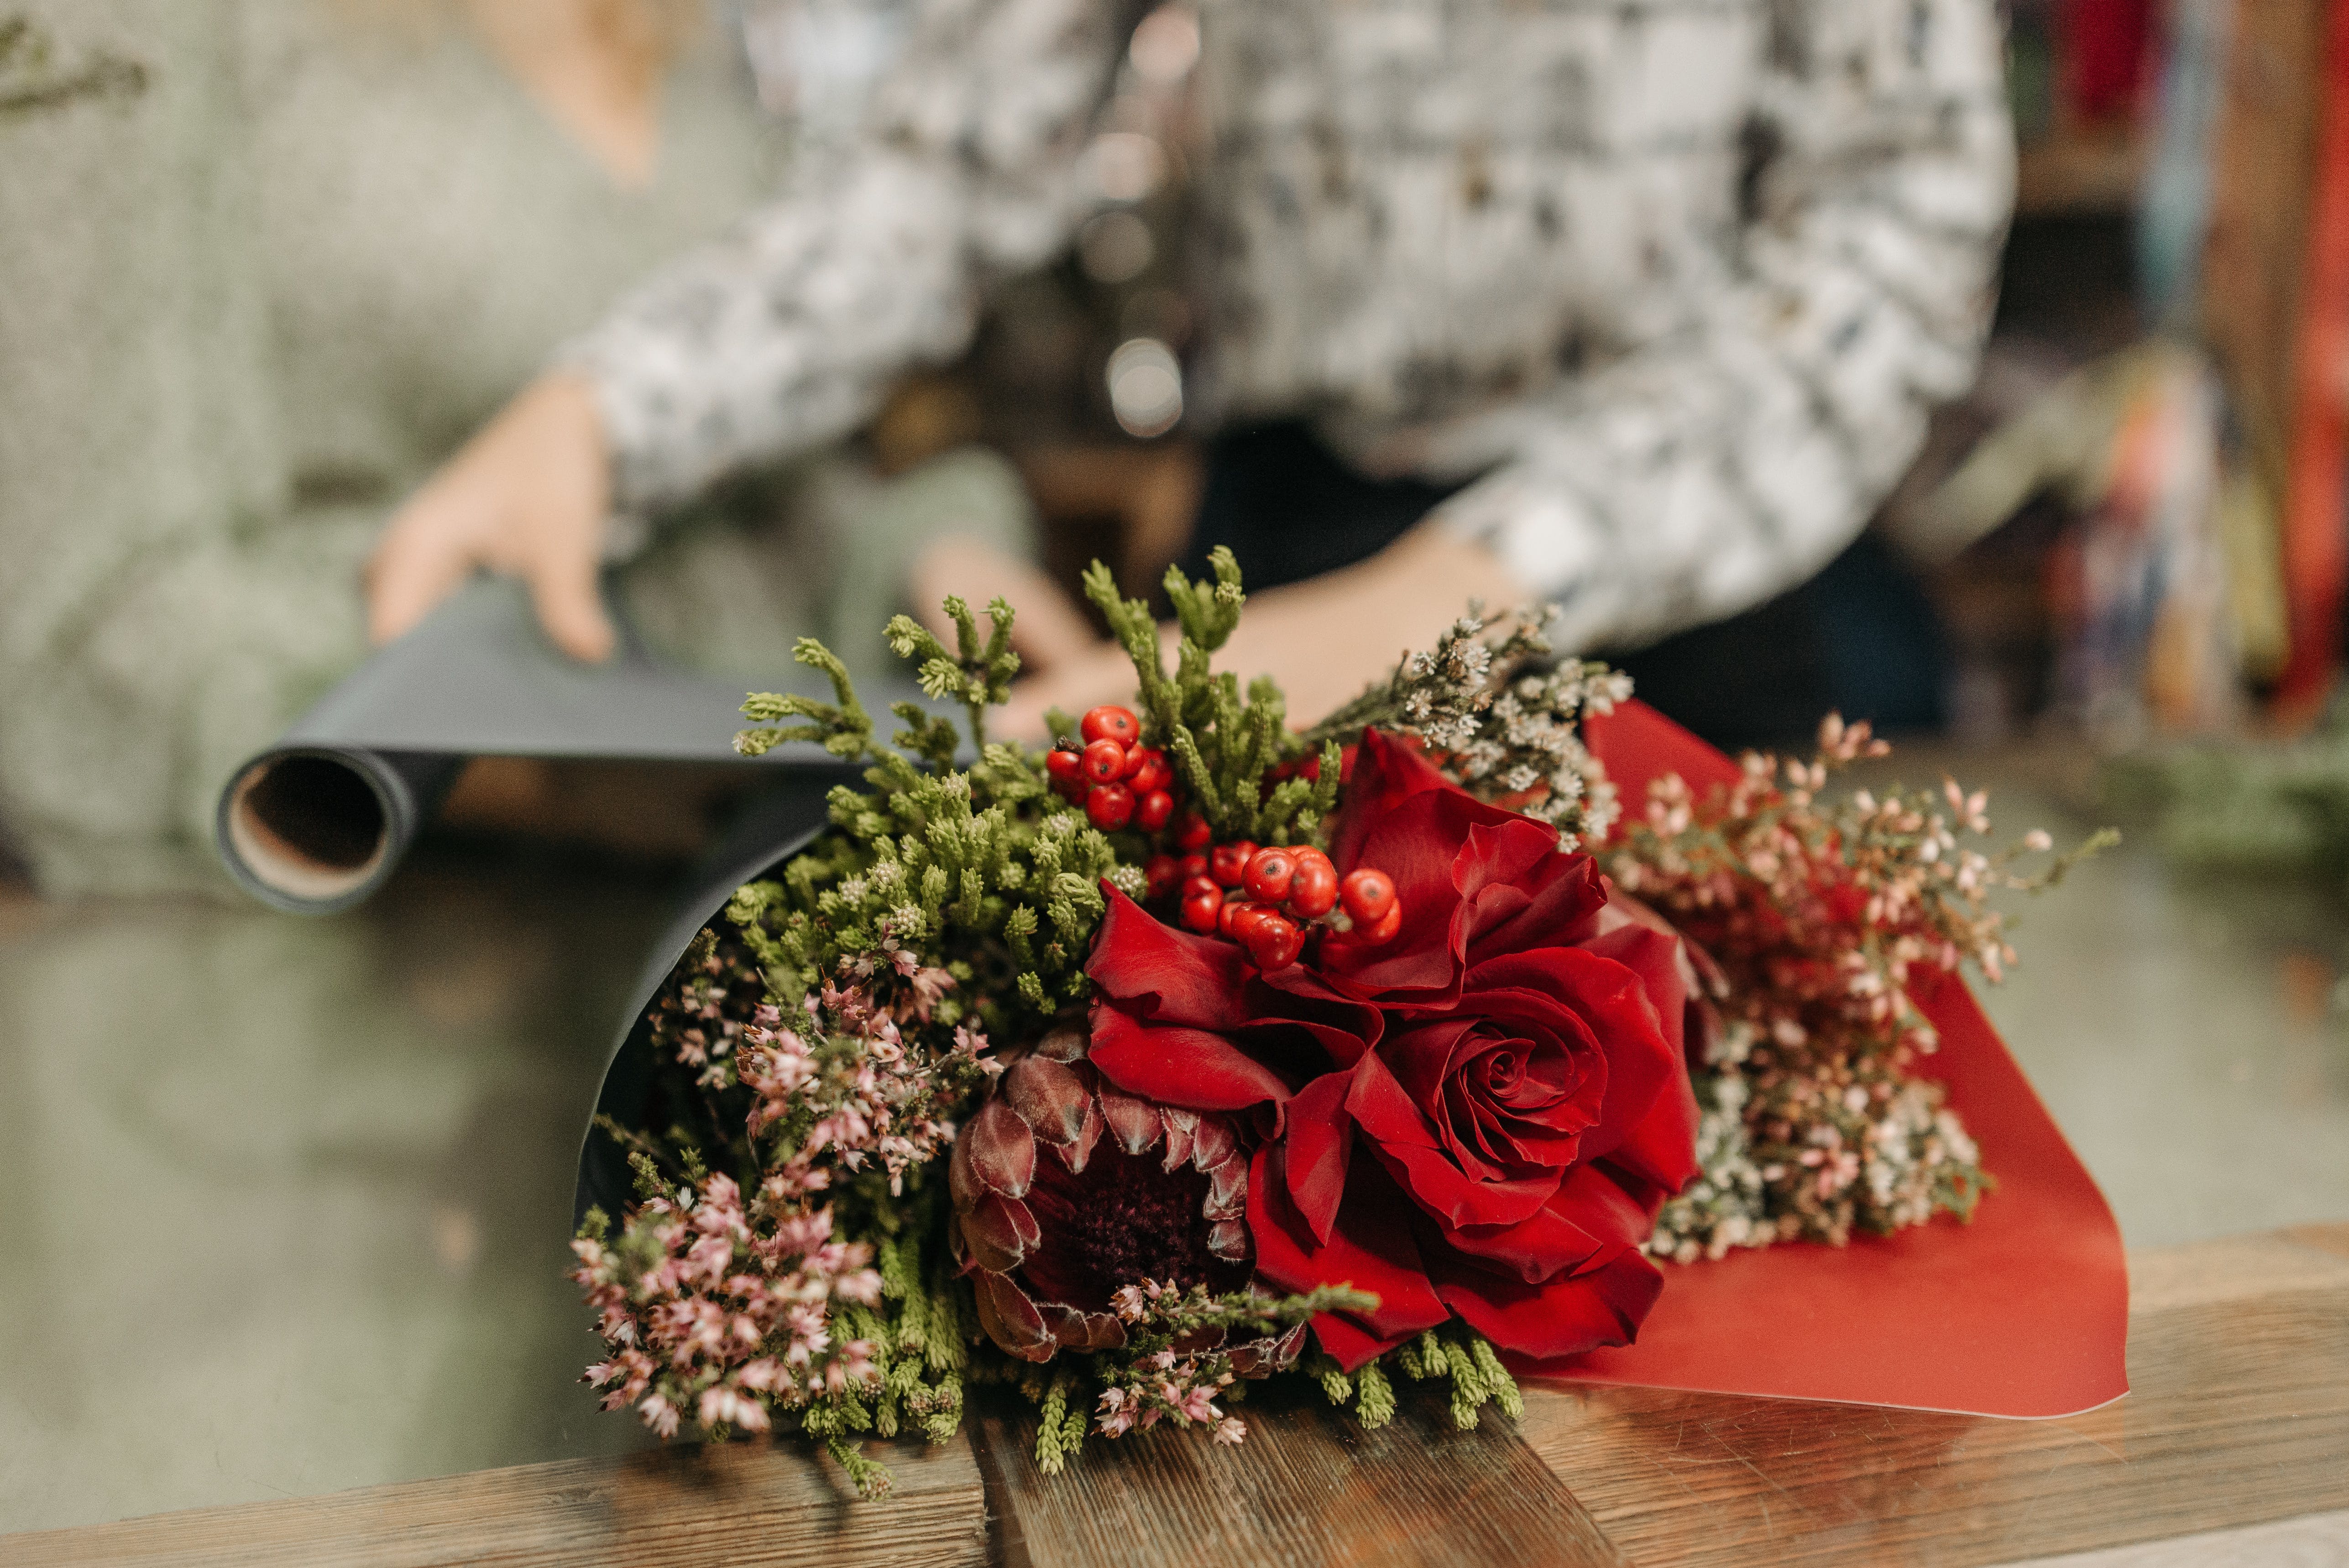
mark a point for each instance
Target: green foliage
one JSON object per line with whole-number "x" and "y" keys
{"x": 972, "y": 675}
{"x": 1222, "y": 742}
{"x": 1453, "y": 1353}
{"x": 981, "y": 870}
{"x": 840, "y": 727}
{"x": 1502, "y": 716}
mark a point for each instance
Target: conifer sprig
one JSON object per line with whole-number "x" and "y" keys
{"x": 842, "y": 727}
{"x": 1223, "y": 741}
{"x": 974, "y": 675}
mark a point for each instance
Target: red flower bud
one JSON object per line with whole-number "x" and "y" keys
{"x": 1268, "y": 874}
{"x": 1103, "y": 761}
{"x": 1227, "y": 864}
{"x": 1110, "y": 807}
{"x": 1366, "y": 894}
{"x": 1313, "y": 887}
{"x": 1110, "y": 722}
{"x": 1202, "y": 907}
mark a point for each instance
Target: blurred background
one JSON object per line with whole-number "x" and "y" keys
{"x": 288, "y": 1199}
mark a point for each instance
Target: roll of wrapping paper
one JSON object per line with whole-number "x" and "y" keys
{"x": 2021, "y": 1313}
{"x": 318, "y": 821}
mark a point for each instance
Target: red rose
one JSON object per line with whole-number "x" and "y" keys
{"x": 1510, "y": 1062}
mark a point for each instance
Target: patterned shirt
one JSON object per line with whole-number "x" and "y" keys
{"x": 1675, "y": 282}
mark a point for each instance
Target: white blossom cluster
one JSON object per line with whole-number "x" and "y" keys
{"x": 1503, "y": 719}
{"x": 1880, "y": 1154}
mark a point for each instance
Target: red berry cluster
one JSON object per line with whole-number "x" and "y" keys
{"x": 1116, "y": 780}
{"x": 1269, "y": 900}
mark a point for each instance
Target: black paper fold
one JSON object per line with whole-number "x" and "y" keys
{"x": 317, "y": 822}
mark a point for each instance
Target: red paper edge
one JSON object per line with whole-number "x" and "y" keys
{"x": 2022, "y": 1314}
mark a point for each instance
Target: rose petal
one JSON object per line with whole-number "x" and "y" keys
{"x": 1658, "y": 1143}
{"x": 1555, "y": 902}
{"x": 1407, "y": 1146}
{"x": 1566, "y": 1316}
{"x": 1384, "y": 775}
{"x": 1370, "y": 1248}
{"x": 1590, "y": 1219}
{"x": 1352, "y": 1345}
{"x": 1319, "y": 1137}
{"x": 1153, "y": 971}
{"x": 1641, "y": 1068}
{"x": 1180, "y": 1066}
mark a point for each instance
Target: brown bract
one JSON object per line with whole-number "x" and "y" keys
{"x": 1065, "y": 1188}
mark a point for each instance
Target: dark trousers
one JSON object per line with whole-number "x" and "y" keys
{"x": 1860, "y": 638}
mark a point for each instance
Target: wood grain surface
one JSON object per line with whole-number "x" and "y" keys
{"x": 2238, "y": 1419}
{"x": 2238, "y": 1357}
{"x": 2312, "y": 1541}
{"x": 1309, "y": 1487}
{"x": 760, "y": 1505}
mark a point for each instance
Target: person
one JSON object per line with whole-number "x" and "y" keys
{"x": 263, "y": 265}
{"x": 1636, "y": 308}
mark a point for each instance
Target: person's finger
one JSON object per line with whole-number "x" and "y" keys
{"x": 1048, "y": 630}
{"x": 413, "y": 569}
{"x": 1022, "y": 717}
{"x": 570, "y": 604}
{"x": 1102, "y": 674}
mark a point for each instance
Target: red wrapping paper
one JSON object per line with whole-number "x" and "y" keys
{"x": 2022, "y": 1312}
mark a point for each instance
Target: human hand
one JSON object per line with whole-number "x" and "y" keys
{"x": 1322, "y": 640}
{"x": 527, "y": 497}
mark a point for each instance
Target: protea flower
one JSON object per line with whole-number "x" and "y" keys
{"x": 1048, "y": 1239}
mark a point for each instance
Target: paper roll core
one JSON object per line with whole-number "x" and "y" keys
{"x": 310, "y": 828}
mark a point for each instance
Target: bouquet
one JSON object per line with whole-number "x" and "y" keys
{"x": 1203, "y": 1048}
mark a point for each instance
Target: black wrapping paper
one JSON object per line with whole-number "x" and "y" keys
{"x": 317, "y": 822}
{"x": 781, "y": 823}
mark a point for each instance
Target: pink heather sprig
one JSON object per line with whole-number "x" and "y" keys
{"x": 1162, "y": 1384}
{"x": 1817, "y": 912}
{"x": 1816, "y": 916}
{"x": 848, "y": 1089}
{"x": 1184, "y": 1347}
{"x": 721, "y": 1313}
{"x": 697, "y": 1017}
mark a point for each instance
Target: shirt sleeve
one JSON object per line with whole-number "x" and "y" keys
{"x": 787, "y": 333}
{"x": 1719, "y": 465}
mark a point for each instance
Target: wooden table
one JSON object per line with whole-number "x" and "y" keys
{"x": 2239, "y": 1353}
